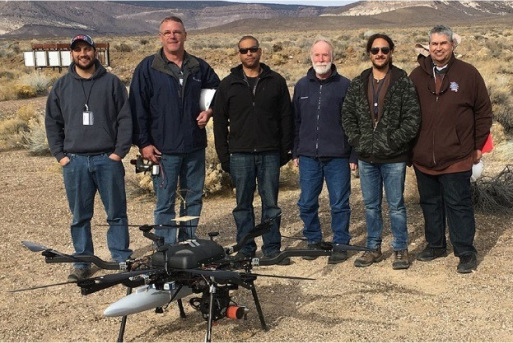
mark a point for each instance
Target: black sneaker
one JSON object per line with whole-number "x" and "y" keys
{"x": 468, "y": 263}
{"x": 313, "y": 246}
{"x": 284, "y": 262}
{"x": 338, "y": 257}
{"x": 429, "y": 254}
{"x": 79, "y": 274}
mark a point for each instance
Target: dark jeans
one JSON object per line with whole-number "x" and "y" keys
{"x": 448, "y": 196}
{"x": 83, "y": 176}
{"x": 312, "y": 173}
{"x": 246, "y": 170}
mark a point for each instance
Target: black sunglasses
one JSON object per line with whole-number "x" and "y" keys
{"x": 244, "y": 51}
{"x": 385, "y": 50}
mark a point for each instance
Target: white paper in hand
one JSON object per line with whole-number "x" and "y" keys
{"x": 207, "y": 94}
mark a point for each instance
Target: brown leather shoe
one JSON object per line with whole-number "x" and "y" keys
{"x": 401, "y": 260}
{"x": 369, "y": 257}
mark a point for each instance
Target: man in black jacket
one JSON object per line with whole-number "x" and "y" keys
{"x": 253, "y": 126}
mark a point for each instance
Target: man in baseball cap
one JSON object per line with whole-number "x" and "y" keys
{"x": 83, "y": 38}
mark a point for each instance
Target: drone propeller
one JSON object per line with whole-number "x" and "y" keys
{"x": 43, "y": 286}
{"x": 35, "y": 247}
{"x": 257, "y": 231}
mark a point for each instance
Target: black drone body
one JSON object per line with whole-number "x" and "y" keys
{"x": 202, "y": 269}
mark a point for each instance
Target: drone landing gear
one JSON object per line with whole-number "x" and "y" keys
{"x": 123, "y": 320}
{"x": 217, "y": 304}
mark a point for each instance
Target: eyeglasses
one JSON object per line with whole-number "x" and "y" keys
{"x": 244, "y": 51}
{"x": 385, "y": 50}
{"x": 168, "y": 34}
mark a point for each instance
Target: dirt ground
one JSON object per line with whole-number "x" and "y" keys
{"x": 427, "y": 302}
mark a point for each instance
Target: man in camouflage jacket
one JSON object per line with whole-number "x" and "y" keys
{"x": 381, "y": 117}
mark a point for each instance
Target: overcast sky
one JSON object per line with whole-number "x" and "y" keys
{"x": 293, "y": 2}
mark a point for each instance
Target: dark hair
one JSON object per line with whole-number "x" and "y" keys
{"x": 173, "y": 18}
{"x": 248, "y": 37}
{"x": 382, "y": 36}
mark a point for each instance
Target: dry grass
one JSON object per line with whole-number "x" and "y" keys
{"x": 488, "y": 48}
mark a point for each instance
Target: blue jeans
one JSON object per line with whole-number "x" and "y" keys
{"x": 246, "y": 169}
{"x": 83, "y": 176}
{"x": 373, "y": 176}
{"x": 448, "y": 196}
{"x": 184, "y": 173}
{"x": 312, "y": 173}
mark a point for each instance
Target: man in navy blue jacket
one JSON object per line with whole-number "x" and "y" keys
{"x": 169, "y": 127}
{"x": 321, "y": 150}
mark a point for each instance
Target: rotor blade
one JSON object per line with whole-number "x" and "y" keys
{"x": 282, "y": 276}
{"x": 34, "y": 247}
{"x": 43, "y": 286}
{"x": 341, "y": 247}
{"x": 151, "y": 225}
{"x": 257, "y": 231}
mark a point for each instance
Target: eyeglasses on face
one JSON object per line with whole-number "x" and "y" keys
{"x": 168, "y": 34}
{"x": 244, "y": 51}
{"x": 385, "y": 50}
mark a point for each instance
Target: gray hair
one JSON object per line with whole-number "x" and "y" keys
{"x": 325, "y": 40}
{"x": 442, "y": 30}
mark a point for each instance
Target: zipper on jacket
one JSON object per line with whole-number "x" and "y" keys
{"x": 317, "y": 126}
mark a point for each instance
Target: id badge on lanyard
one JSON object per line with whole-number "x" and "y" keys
{"x": 87, "y": 116}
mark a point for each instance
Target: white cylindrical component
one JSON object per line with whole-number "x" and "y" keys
{"x": 145, "y": 298}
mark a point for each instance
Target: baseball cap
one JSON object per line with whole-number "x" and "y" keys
{"x": 83, "y": 38}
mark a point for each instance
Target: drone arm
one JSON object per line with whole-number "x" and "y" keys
{"x": 326, "y": 251}
{"x": 257, "y": 231}
{"x": 53, "y": 258}
{"x": 293, "y": 253}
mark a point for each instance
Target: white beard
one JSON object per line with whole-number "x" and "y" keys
{"x": 322, "y": 68}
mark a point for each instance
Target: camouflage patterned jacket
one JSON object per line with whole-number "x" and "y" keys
{"x": 392, "y": 138}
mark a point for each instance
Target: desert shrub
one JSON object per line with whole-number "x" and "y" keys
{"x": 144, "y": 41}
{"x": 123, "y": 47}
{"x": 277, "y": 47}
{"x": 6, "y": 74}
{"x": 26, "y": 113}
{"x": 12, "y": 133}
{"x": 504, "y": 116}
{"x": 7, "y": 92}
{"x": 35, "y": 137}
{"x": 494, "y": 195}
{"x": 25, "y": 91}
{"x": 32, "y": 85}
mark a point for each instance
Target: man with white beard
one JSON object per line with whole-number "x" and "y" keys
{"x": 321, "y": 150}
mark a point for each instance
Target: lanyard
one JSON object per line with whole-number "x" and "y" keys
{"x": 86, "y": 107}
{"x": 375, "y": 94}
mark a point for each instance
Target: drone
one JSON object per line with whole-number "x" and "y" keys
{"x": 200, "y": 269}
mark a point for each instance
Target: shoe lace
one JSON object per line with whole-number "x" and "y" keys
{"x": 401, "y": 255}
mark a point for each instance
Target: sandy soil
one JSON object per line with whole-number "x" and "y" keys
{"x": 428, "y": 302}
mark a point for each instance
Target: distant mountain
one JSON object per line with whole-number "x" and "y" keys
{"x": 63, "y": 18}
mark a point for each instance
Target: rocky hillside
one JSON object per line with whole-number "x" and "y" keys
{"x": 24, "y": 19}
